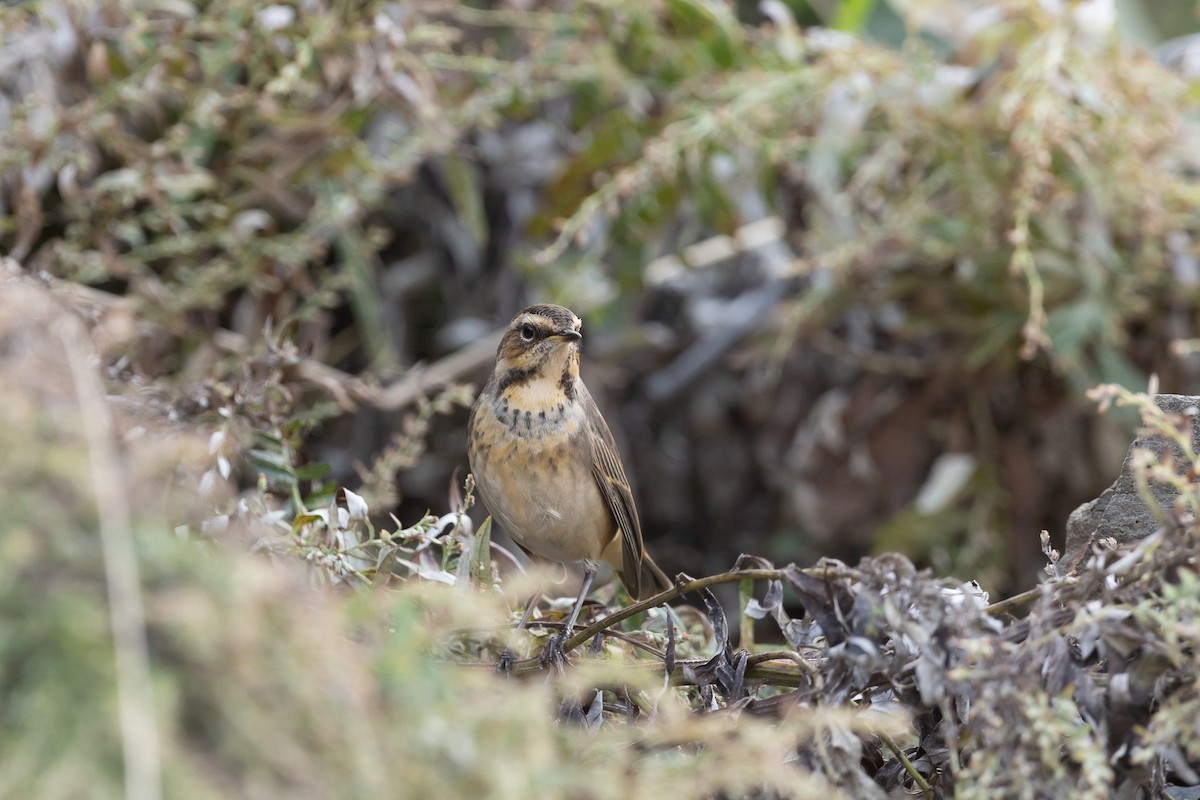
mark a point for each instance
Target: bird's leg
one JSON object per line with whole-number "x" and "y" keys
{"x": 589, "y": 575}
{"x": 553, "y": 653}
{"x": 529, "y": 607}
{"x": 508, "y": 657}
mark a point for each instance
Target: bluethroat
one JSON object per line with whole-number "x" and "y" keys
{"x": 545, "y": 463}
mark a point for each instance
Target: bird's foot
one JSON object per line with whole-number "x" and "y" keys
{"x": 553, "y": 654}
{"x": 505, "y": 663}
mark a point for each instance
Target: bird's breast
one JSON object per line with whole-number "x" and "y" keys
{"x": 532, "y": 464}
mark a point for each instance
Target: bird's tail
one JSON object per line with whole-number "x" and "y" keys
{"x": 653, "y": 580}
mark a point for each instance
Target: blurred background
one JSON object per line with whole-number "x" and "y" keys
{"x": 847, "y": 268}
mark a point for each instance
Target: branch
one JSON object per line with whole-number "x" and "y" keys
{"x": 683, "y": 586}
{"x": 348, "y": 390}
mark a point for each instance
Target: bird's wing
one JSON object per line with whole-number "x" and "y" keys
{"x": 614, "y": 486}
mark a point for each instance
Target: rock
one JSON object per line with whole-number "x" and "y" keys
{"x": 1119, "y": 512}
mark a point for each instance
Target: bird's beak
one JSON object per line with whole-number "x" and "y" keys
{"x": 567, "y": 333}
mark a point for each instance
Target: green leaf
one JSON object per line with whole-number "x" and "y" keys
{"x": 271, "y": 459}
{"x": 853, "y": 15}
{"x": 312, "y": 472}
{"x": 320, "y": 498}
{"x": 268, "y": 440}
{"x": 303, "y": 519}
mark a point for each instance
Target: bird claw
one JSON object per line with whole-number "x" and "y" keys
{"x": 553, "y": 654}
{"x": 505, "y": 664}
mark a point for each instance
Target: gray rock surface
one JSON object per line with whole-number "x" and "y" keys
{"x": 1119, "y": 512}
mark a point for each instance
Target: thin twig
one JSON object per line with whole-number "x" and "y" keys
{"x": 909, "y": 767}
{"x": 782, "y": 655}
{"x": 773, "y": 673}
{"x": 679, "y": 589}
{"x": 1017, "y": 601}
{"x": 624, "y": 637}
{"x": 421, "y": 381}
{"x": 349, "y": 390}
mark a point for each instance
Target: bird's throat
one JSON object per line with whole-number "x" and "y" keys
{"x": 531, "y": 399}
{"x": 543, "y": 397}
{"x": 541, "y": 403}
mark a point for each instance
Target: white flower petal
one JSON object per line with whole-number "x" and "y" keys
{"x": 355, "y": 505}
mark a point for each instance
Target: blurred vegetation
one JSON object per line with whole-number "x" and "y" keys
{"x": 287, "y": 648}
{"x": 965, "y": 216}
{"x": 264, "y": 683}
{"x": 848, "y": 268}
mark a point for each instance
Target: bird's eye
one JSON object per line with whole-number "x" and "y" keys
{"x": 527, "y": 332}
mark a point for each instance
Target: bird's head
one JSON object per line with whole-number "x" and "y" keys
{"x": 541, "y": 342}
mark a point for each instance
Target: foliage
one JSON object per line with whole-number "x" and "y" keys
{"x": 266, "y": 680}
{"x": 314, "y": 653}
{"x": 1002, "y": 209}
{"x": 1091, "y": 692}
{"x": 1039, "y": 177}
{"x": 990, "y": 209}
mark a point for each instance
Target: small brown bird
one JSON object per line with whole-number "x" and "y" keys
{"x": 545, "y": 462}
